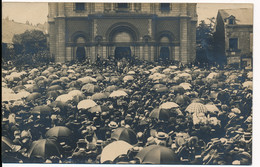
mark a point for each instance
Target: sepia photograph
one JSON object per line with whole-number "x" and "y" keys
{"x": 127, "y": 83}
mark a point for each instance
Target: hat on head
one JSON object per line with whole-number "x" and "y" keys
{"x": 113, "y": 125}
{"x": 161, "y": 136}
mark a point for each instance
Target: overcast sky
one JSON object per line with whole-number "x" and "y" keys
{"x": 37, "y": 12}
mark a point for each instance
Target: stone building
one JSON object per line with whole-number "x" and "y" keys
{"x": 147, "y": 31}
{"x": 234, "y": 35}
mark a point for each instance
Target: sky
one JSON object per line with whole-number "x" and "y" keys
{"x": 37, "y": 12}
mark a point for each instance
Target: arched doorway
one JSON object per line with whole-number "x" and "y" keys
{"x": 164, "y": 53}
{"x": 123, "y": 42}
{"x": 80, "y": 51}
{"x": 81, "y": 54}
{"x": 122, "y": 52}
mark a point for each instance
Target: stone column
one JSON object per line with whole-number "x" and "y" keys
{"x": 183, "y": 40}
{"x": 51, "y": 28}
{"x": 69, "y": 53}
{"x": 141, "y": 53}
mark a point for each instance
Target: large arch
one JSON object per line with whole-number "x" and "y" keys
{"x": 122, "y": 27}
{"x": 167, "y": 34}
{"x": 78, "y": 34}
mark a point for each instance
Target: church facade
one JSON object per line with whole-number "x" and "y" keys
{"x": 147, "y": 31}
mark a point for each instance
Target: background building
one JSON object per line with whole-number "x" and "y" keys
{"x": 148, "y": 31}
{"x": 234, "y": 35}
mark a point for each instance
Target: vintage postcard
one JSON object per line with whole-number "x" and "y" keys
{"x": 127, "y": 83}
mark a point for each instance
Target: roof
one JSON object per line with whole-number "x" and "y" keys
{"x": 243, "y": 16}
{"x": 9, "y": 28}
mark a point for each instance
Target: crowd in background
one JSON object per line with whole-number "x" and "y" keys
{"x": 75, "y": 113}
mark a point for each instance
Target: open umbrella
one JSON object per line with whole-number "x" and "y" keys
{"x": 186, "y": 86}
{"x": 75, "y": 93}
{"x": 114, "y": 80}
{"x": 64, "y": 98}
{"x": 52, "y": 94}
{"x": 160, "y": 114}
{"x": 212, "y": 108}
{"x": 90, "y": 88}
{"x": 111, "y": 88}
{"x": 182, "y": 100}
{"x": 128, "y": 78}
{"x": 100, "y": 78}
{"x": 250, "y": 75}
{"x": 186, "y": 76}
{"x": 32, "y": 88}
{"x": 86, "y": 104}
{"x": 44, "y": 148}
{"x": 177, "y": 89}
{"x": 59, "y": 104}
{"x": 87, "y": 79}
{"x": 75, "y": 84}
{"x": 196, "y": 108}
{"x": 99, "y": 96}
{"x": 33, "y": 96}
{"x": 54, "y": 87}
{"x": 248, "y": 84}
{"x": 155, "y": 154}
{"x": 44, "y": 109}
{"x": 98, "y": 109}
{"x": 125, "y": 134}
{"x": 118, "y": 93}
{"x": 113, "y": 150}
{"x": 61, "y": 132}
{"x": 168, "y": 105}
{"x": 18, "y": 88}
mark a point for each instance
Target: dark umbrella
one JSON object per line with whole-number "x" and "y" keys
{"x": 53, "y": 94}
{"x": 54, "y": 87}
{"x": 62, "y": 105}
{"x": 98, "y": 109}
{"x": 75, "y": 84}
{"x": 177, "y": 89}
{"x": 155, "y": 154}
{"x": 44, "y": 148}
{"x": 33, "y": 96}
{"x": 56, "y": 82}
{"x": 224, "y": 97}
{"x": 60, "y": 132}
{"x": 44, "y": 109}
{"x": 160, "y": 114}
{"x": 182, "y": 100}
{"x": 18, "y": 88}
{"x": 125, "y": 134}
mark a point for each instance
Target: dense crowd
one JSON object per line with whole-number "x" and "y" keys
{"x": 126, "y": 112}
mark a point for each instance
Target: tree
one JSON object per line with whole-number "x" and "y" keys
{"x": 30, "y": 42}
{"x": 205, "y": 42}
{"x": 31, "y": 48}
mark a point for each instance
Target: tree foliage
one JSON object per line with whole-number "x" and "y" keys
{"x": 30, "y": 42}
{"x": 205, "y": 41}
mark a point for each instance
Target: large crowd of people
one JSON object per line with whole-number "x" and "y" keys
{"x": 126, "y": 112}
